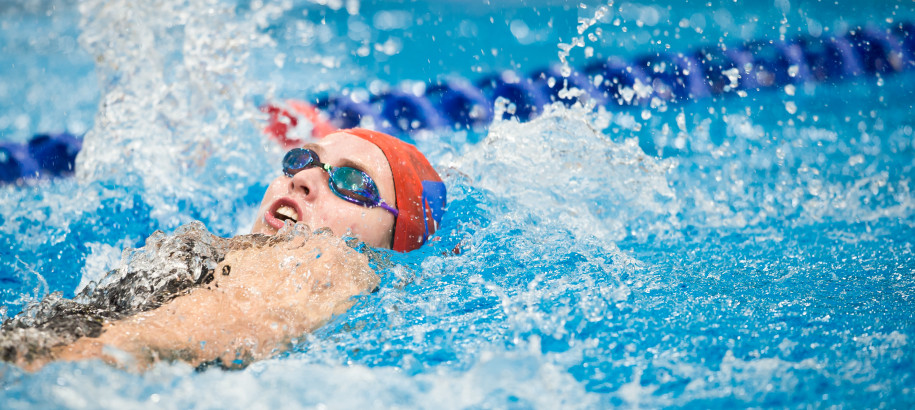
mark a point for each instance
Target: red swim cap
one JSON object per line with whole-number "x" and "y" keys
{"x": 419, "y": 191}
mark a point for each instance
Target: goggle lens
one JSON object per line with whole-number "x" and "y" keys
{"x": 355, "y": 184}
{"x": 298, "y": 159}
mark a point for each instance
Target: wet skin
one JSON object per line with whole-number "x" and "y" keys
{"x": 307, "y": 194}
{"x": 267, "y": 296}
{"x": 262, "y": 298}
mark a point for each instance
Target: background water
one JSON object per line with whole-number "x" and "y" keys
{"x": 730, "y": 252}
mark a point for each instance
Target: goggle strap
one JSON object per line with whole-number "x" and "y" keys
{"x": 388, "y": 208}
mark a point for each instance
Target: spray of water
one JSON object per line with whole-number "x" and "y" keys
{"x": 561, "y": 167}
{"x": 177, "y": 114}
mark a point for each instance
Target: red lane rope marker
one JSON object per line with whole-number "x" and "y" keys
{"x": 283, "y": 119}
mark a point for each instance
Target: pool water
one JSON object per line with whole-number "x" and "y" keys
{"x": 739, "y": 251}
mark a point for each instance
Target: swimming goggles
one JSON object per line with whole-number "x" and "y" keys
{"x": 350, "y": 184}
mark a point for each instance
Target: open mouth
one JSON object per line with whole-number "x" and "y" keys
{"x": 285, "y": 213}
{"x": 282, "y": 210}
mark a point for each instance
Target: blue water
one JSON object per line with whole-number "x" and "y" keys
{"x": 750, "y": 251}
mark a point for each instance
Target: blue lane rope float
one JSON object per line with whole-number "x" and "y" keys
{"x": 673, "y": 77}
{"x": 43, "y": 156}
{"x": 708, "y": 71}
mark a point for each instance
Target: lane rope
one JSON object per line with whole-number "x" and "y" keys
{"x": 709, "y": 71}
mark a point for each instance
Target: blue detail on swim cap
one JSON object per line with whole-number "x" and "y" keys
{"x": 434, "y": 198}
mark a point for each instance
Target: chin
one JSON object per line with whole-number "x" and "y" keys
{"x": 262, "y": 228}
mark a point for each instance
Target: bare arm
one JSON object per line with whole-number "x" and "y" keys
{"x": 259, "y": 300}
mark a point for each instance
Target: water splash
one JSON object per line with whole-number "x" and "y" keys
{"x": 561, "y": 167}
{"x": 177, "y": 112}
{"x": 165, "y": 268}
{"x": 785, "y": 280}
{"x": 175, "y": 137}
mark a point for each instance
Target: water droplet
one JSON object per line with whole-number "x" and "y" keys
{"x": 681, "y": 121}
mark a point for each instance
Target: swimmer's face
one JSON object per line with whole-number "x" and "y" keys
{"x": 307, "y": 198}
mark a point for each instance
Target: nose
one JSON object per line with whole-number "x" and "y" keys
{"x": 308, "y": 183}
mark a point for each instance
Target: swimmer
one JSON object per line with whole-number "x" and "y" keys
{"x": 269, "y": 288}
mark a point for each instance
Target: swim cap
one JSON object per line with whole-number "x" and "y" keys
{"x": 420, "y": 193}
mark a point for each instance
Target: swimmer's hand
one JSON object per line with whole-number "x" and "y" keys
{"x": 260, "y": 299}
